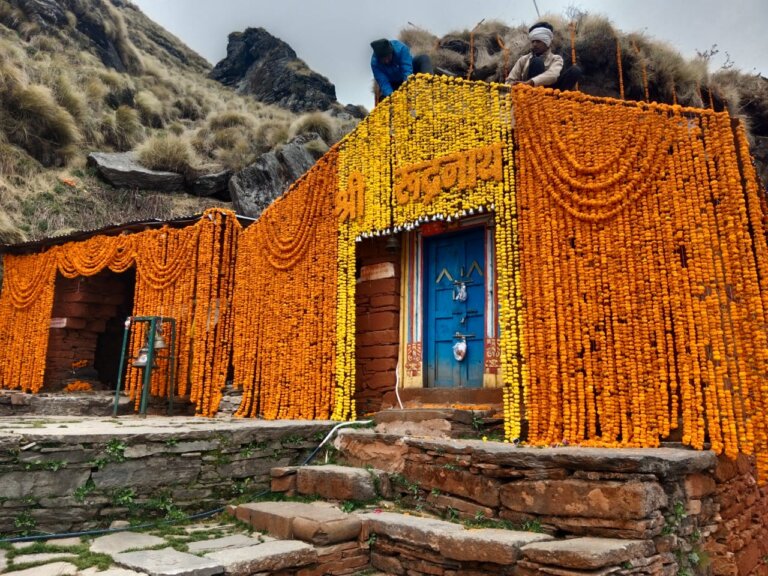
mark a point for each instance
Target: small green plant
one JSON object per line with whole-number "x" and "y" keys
{"x": 451, "y": 514}
{"x": 125, "y": 497}
{"x": 372, "y": 539}
{"x": 25, "y": 523}
{"x": 81, "y": 492}
{"x": 52, "y": 465}
{"x": 450, "y": 466}
{"x": 533, "y": 525}
{"x": 116, "y": 450}
{"x": 172, "y": 441}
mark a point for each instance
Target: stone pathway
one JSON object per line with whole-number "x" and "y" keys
{"x": 203, "y": 549}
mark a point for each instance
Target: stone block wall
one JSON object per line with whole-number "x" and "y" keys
{"x": 56, "y": 482}
{"x": 82, "y": 308}
{"x": 693, "y": 511}
{"x": 378, "y": 322}
{"x": 739, "y": 545}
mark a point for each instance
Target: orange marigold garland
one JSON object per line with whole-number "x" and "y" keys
{"x": 25, "y": 314}
{"x": 285, "y": 303}
{"x": 167, "y": 271}
{"x": 642, "y": 260}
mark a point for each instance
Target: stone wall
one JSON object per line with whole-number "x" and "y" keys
{"x": 739, "y": 545}
{"x": 378, "y": 322}
{"x": 56, "y": 479}
{"x": 692, "y": 511}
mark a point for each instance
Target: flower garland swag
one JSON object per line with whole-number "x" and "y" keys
{"x": 449, "y": 144}
{"x": 25, "y": 313}
{"x": 642, "y": 284}
{"x": 285, "y": 303}
{"x": 197, "y": 294}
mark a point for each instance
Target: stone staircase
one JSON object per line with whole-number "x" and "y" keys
{"x": 444, "y": 506}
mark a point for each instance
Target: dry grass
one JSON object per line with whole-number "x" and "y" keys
{"x": 317, "y": 122}
{"x": 166, "y": 152}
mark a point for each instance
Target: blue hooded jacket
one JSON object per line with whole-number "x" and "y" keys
{"x": 396, "y": 72}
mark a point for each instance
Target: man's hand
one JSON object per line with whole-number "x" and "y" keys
{"x": 526, "y": 82}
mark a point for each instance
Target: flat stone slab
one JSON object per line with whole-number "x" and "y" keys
{"x": 587, "y": 553}
{"x": 659, "y": 461}
{"x": 55, "y": 569}
{"x": 74, "y": 541}
{"x": 122, "y": 541}
{"x": 267, "y": 557}
{"x": 3, "y": 561}
{"x": 168, "y": 562}
{"x": 414, "y": 529}
{"x": 45, "y": 557}
{"x": 487, "y": 545}
{"x": 234, "y": 541}
{"x": 336, "y": 482}
{"x": 585, "y": 498}
{"x": 94, "y": 571}
{"x": 317, "y": 523}
{"x": 122, "y": 169}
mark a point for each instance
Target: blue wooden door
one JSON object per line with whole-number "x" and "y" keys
{"x": 454, "y": 308}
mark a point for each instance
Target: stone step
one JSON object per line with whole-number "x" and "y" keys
{"x": 317, "y": 523}
{"x": 267, "y": 558}
{"x": 606, "y": 555}
{"x": 431, "y": 422}
{"x": 332, "y": 482}
{"x": 449, "y": 540}
{"x": 168, "y": 562}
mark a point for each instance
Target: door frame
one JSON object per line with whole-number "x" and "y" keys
{"x": 410, "y": 364}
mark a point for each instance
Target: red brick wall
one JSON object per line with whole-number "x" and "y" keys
{"x": 378, "y": 322}
{"x": 81, "y": 308}
{"x": 739, "y": 547}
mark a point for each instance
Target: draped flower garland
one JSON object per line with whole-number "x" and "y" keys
{"x": 643, "y": 254}
{"x": 286, "y": 304}
{"x": 180, "y": 273}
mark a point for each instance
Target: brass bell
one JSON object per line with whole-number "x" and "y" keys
{"x": 159, "y": 340}
{"x": 143, "y": 359}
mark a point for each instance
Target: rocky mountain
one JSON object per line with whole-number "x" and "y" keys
{"x": 265, "y": 67}
{"x": 98, "y": 79}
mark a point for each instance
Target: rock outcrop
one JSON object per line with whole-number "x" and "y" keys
{"x": 268, "y": 69}
{"x": 257, "y": 186}
{"x": 123, "y": 170}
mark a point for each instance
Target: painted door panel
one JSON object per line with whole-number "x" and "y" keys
{"x": 450, "y": 261}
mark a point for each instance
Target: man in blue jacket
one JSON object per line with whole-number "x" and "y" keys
{"x": 392, "y": 63}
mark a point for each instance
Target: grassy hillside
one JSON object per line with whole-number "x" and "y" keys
{"x": 83, "y": 75}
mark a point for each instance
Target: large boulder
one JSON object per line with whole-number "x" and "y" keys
{"x": 268, "y": 69}
{"x": 122, "y": 170}
{"x": 257, "y": 186}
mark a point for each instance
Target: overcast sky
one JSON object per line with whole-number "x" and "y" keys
{"x": 333, "y": 36}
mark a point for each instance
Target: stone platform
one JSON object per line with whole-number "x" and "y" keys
{"x": 74, "y": 473}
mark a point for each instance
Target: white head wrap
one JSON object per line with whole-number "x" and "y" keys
{"x": 543, "y": 34}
